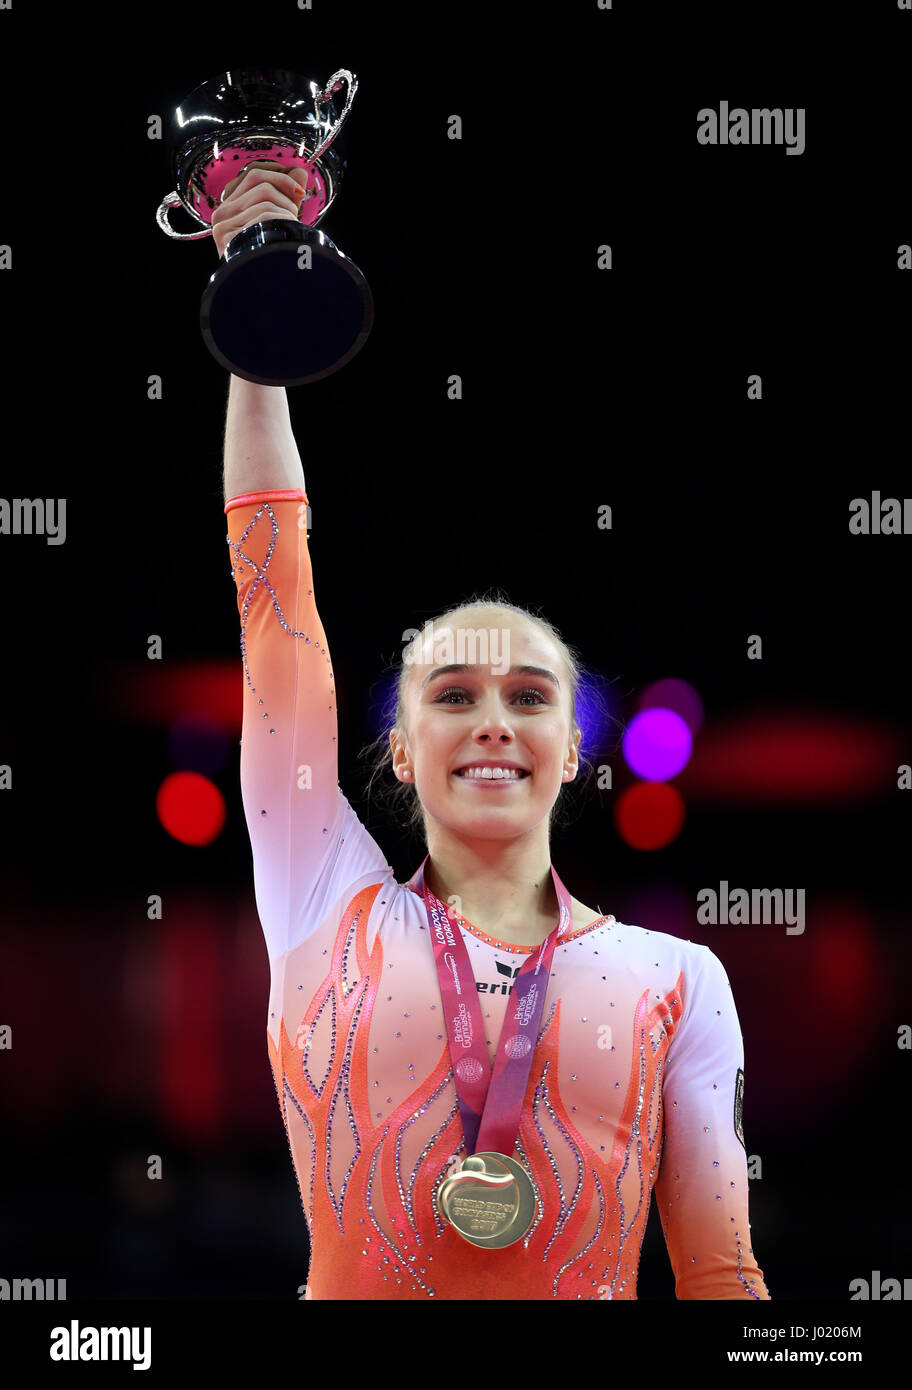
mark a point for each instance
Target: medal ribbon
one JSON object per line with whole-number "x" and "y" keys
{"x": 489, "y": 1104}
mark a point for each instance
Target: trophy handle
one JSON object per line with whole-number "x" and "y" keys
{"x": 332, "y": 86}
{"x": 171, "y": 200}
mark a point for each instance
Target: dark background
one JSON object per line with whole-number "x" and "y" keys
{"x": 134, "y": 1037}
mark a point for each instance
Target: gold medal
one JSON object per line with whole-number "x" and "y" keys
{"x": 490, "y": 1201}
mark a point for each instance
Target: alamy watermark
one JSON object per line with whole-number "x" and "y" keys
{"x": 463, "y": 646}
{"x": 86, "y": 1343}
{"x": 751, "y": 907}
{"x": 881, "y": 516}
{"x": 757, "y": 126}
{"x": 32, "y": 1290}
{"x": 876, "y": 1288}
{"x": 23, "y": 516}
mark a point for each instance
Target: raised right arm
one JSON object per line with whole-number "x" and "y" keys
{"x": 311, "y": 854}
{"x": 260, "y": 449}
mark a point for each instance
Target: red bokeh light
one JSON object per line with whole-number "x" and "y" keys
{"x": 793, "y": 756}
{"x": 649, "y": 815}
{"x": 190, "y": 808}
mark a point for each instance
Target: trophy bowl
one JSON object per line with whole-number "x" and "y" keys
{"x": 285, "y": 306}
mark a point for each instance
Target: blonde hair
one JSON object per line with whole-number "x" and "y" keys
{"x": 405, "y": 802}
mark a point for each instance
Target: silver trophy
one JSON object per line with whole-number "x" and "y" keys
{"x": 284, "y": 306}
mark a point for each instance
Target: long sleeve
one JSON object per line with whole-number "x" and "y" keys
{"x": 309, "y": 848}
{"x": 702, "y": 1188}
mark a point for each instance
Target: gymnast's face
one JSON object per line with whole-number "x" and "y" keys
{"x": 490, "y": 711}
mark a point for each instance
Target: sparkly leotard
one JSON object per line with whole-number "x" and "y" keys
{"x": 633, "y": 1081}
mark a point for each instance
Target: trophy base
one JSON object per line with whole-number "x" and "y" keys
{"x": 271, "y": 319}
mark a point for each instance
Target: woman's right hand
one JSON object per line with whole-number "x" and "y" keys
{"x": 263, "y": 191}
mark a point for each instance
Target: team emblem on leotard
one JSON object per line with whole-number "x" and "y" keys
{"x": 739, "y": 1107}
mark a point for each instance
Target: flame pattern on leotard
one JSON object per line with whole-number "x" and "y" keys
{"x": 632, "y": 1086}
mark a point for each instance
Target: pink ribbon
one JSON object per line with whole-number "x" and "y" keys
{"x": 489, "y": 1104}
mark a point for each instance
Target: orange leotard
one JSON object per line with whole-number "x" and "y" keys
{"x": 633, "y": 1081}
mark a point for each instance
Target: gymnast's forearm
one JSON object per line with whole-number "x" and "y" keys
{"x": 260, "y": 451}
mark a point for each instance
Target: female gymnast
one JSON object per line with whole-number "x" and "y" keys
{"x": 616, "y": 1051}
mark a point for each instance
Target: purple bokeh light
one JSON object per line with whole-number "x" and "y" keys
{"x": 657, "y": 744}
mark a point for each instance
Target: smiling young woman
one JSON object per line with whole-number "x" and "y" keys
{"x": 483, "y": 1080}
{"x": 484, "y": 749}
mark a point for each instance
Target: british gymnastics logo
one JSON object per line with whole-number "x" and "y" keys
{"x": 462, "y": 1030}
{"x": 525, "y": 1008}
